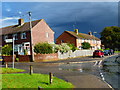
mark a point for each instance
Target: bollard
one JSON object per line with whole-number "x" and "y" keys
{"x": 6, "y": 65}
{"x": 50, "y": 78}
{"x": 31, "y": 70}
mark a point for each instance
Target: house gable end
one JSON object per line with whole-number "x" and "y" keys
{"x": 41, "y": 32}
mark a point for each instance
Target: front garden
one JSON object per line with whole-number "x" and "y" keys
{"x": 25, "y": 80}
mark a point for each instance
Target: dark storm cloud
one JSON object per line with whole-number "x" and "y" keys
{"x": 86, "y": 16}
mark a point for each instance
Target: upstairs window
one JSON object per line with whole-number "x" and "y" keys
{"x": 62, "y": 41}
{"x": 79, "y": 40}
{"x": 23, "y": 35}
{"x": 47, "y": 35}
{"x": 5, "y": 37}
{"x": 15, "y": 36}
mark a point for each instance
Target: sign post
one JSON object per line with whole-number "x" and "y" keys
{"x": 9, "y": 41}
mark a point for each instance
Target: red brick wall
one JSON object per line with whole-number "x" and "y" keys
{"x": 27, "y": 58}
{"x": 39, "y": 33}
{"x": 8, "y": 58}
{"x": 67, "y": 38}
{"x": 24, "y": 58}
{"x": 42, "y": 57}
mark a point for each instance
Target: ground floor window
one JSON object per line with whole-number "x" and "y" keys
{"x": 23, "y": 48}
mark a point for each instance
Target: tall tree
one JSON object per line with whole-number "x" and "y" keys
{"x": 110, "y": 37}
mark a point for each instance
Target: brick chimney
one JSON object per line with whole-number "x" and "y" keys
{"x": 76, "y": 31}
{"x": 90, "y": 33}
{"x": 20, "y": 21}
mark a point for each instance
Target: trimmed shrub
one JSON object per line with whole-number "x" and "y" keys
{"x": 86, "y": 45}
{"x": 43, "y": 48}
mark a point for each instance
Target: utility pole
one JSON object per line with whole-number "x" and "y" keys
{"x": 13, "y": 51}
{"x": 32, "y": 53}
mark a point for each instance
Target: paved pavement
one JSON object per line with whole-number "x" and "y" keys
{"x": 78, "y": 78}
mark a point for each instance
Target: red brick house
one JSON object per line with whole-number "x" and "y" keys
{"x": 40, "y": 32}
{"x": 77, "y": 38}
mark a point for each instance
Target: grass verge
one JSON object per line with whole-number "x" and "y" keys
{"x": 32, "y": 81}
{"x": 117, "y": 51}
{"x": 10, "y": 70}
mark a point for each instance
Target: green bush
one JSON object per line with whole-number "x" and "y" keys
{"x": 101, "y": 49}
{"x": 55, "y": 48}
{"x": 17, "y": 59}
{"x": 107, "y": 49}
{"x": 72, "y": 47}
{"x": 43, "y": 48}
{"x": 86, "y": 45}
{"x": 7, "y": 50}
{"x": 25, "y": 52}
{"x": 63, "y": 48}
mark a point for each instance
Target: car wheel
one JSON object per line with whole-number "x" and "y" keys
{"x": 101, "y": 56}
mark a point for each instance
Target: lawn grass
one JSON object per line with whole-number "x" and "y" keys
{"x": 32, "y": 81}
{"x": 117, "y": 51}
{"x": 10, "y": 70}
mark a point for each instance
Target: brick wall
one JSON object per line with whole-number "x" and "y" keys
{"x": 22, "y": 58}
{"x": 67, "y": 38}
{"x": 8, "y": 58}
{"x": 39, "y": 33}
{"x": 41, "y": 57}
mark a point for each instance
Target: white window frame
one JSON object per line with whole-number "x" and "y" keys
{"x": 83, "y": 40}
{"x": 89, "y": 40}
{"x": 15, "y": 36}
{"x": 22, "y": 35}
{"x": 47, "y": 34}
{"x": 5, "y": 37}
{"x": 78, "y": 40}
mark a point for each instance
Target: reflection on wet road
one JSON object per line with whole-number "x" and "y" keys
{"x": 89, "y": 67}
{"x": 108, "y": 70}
{"x": 111, "y": 71}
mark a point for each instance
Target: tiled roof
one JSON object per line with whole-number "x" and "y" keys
{"x": 82, "y": 35}
{"x": 16, "y": 28}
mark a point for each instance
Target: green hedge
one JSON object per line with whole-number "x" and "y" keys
{"x": 43, "y": 48}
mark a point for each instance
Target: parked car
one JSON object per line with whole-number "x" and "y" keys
{"x": 107, "y": 52}
{"x": 1, "y": 60}
{"x": 111, "y": 51}
{"x": 98, "y": 53}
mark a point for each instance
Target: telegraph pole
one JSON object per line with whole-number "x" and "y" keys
{"x": 13, "y": 52}
{"x": 32, "y": 53}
